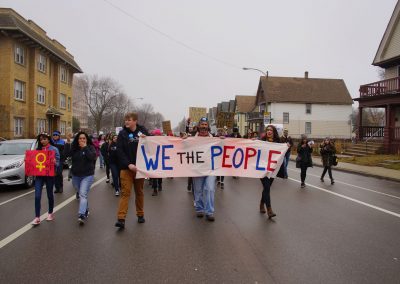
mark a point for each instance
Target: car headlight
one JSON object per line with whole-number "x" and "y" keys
{"x": 13, "y": 165}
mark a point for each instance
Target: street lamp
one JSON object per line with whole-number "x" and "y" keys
{"x": 264, "y": 73}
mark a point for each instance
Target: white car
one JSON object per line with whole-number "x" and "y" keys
{"x": 12, "y": 162}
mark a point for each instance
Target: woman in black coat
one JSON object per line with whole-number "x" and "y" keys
{"x": 304, "y": 159}
{"x": 327, "y": 151}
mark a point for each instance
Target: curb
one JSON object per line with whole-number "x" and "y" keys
{"x": 357, "y": 172}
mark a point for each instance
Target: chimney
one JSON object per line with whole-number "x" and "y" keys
{"x": 306, "y": 75}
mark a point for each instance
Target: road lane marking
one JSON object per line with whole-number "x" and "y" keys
{"x": 22, "y": 195}
{"x": 351, "y": 199}
{"x": 360, "y": 187}
{"x": 29, "y": 226}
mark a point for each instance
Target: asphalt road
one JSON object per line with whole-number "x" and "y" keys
{"x": 348, "y": 232}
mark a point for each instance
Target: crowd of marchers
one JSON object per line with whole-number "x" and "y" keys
{"x": 116, "y": 154}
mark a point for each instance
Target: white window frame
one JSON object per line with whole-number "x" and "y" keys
{"x": 63, "y": 101}
{"x": 308, "y": 108}
{"x": 285, "y": 121}
{"x": 41, "y": 95}
{"x": 41, "y": 125}
{"x": 18, "y": 126}
{"x": 19, "y": 54}
{"x": 42, "y": 61}
{"x": 308, "y": 128}
{"x": 63, "y": 74}
{"x": 19, "y": 90}
{"x": 63, "y": 126}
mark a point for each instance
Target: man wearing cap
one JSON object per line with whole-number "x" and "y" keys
{"x": 60, "y": 144}
{"x": 288, "y": 140}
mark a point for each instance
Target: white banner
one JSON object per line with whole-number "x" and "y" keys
{"x": 164, "y": 156}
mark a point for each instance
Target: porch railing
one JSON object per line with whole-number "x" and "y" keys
{"x": 387, "y": 86}
{"x": 371, "y": 131}
{"x": 396, "y": 133}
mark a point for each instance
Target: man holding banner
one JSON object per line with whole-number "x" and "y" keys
{"x": 127, "y": 145}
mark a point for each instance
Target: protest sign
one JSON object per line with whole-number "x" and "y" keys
{"x": 225, "y": 119}
{"x": 166, "y": 126}
{"x": 161, "y": 156}
{"x": 195, "y": 113}
{"x": 40, "y": 163}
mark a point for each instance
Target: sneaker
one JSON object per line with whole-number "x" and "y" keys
{"x": 210, "y": 218}
{"x": 199, "y": 214}
{"x": 140, "y": 219}
{"x": 332, "y": 181}
{"x": 87, "y": 213}
{"x": 36, "y": 221}
{"x": 321, "y": 179}
{"x": 57, "y": 190}
{"x": 120, "y": 223}
{"x": 81, "y": 219}
{"x": 108, "y": 180}
{"x": 50, "y": 217}
{"x": 222, "y": 185}
{"x": 117, "y": 193}
{"x": 77, "y": 195}
{"x": 303, "y": 185}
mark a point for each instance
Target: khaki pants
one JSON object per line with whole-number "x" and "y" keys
{"x": 127, "y": 179}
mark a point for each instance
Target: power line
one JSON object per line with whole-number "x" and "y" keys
{"x": 170, "y": 37}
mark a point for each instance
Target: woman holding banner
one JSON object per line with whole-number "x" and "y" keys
{"x": 44, "y": 143}
{"x": 83, "y": 156}
{"x": 271, "y": 135}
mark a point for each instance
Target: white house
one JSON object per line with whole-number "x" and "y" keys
{"x": 313, "y": 106}
{"x": 243, "y": 105}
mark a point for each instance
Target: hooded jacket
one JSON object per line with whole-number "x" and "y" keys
{"x": 127, "y": 145}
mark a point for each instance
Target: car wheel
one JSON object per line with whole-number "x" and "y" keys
{"x": 29, "y": 181}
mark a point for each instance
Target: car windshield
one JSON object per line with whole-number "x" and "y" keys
{"x": 14, "y": 148}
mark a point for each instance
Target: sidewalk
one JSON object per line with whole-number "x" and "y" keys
{"x": 378, "y": 172}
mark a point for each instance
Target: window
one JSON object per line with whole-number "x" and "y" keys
{"x": 62, "y": 127}
{"x": 63, "y": 74}
{"x": 42, "y": 63}
{"x": 41, "y": 95}
{"x": 19, "y": 55}
{"x": 19, "y": 90}
{"x": 62, "y": 101}
{"x": 41, "y": 125}
{"x": 69, "y": 104}
{"x": 308, "y": 128}
{"x": 308, "y": 108}
{"x": 18, "y": 126}
{"x": 286, "y": 117}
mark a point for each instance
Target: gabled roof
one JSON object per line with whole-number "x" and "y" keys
{"x": 303, "y": 90}
{"x": 11, "y": 21}
{"x": 389, "y": 47}
{"x": 245, "y": 103}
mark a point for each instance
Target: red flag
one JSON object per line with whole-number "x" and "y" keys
{"x": 40, "y": 163}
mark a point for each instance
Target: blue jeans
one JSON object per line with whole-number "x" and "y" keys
{"x": 204, "y": 189}
{"x": 101, "y": 160}
{"x": 286, "y": 161}
{"x": 39, "y": 182}
{"x": 115, "y": 176}
{"x": 82, "y": 185}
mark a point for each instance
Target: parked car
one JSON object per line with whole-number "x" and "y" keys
{"x": 12, "y": 162}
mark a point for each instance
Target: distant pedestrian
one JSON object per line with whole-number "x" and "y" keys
{"x": 271, "y": 135}
{"x": 113, "y": 163}
{"x": 60, "y": 145}
{"x": 44, "y": 143}
{"x": 96, "y": 145}
{"x": 304, "y": 159}
{"x": 327, "y": 151}
{"x": 83, "y": 155}
{"x": 288, "y": 140}
{"x": 127, "y": 145}
{"x": 104, "y": 151}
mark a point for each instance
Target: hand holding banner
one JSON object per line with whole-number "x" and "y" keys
{"x": 40, "y": 163}
{"x": 159, "y": 157}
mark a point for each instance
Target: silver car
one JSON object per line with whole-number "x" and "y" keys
{"x": 12, "y": 162}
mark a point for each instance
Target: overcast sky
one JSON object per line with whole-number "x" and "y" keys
{"x": 330, "y": 39}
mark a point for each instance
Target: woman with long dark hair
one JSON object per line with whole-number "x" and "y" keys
{"x": 44, "y": 143}
{"x": 83, "y": 156}
{"x": 304, "y": 160}
{"x": 271, "y": 135}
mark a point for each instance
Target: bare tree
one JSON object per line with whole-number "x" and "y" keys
{"x": 181, "y": 126}
{"x": 101, "y": 95}
{"x": 156, "y": 120}
{"x": 145, "y": 112}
